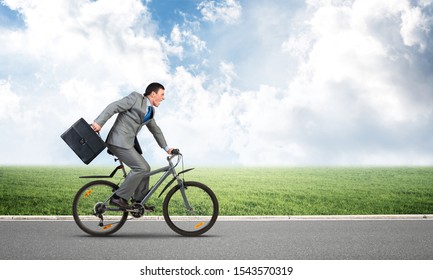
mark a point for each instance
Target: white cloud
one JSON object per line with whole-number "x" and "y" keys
{"x": 10, "y": 102}
{"x": 356, "y": 82}
{"x": 228, "y": 11}
{"x": 183, "y": 40}
{"x": 357, "y": 89}
{"x": 186, "y": 36}
{"x": 93, "y": 39}
{"x": 415, "y": 27}
{"x": 70, "y": 61}
{"x": 353, "y": 98}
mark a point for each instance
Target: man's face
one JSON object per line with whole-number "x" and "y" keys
{"x": 157, "y": 97}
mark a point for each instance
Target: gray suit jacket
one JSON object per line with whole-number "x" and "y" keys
{"x": 131, "y": 111}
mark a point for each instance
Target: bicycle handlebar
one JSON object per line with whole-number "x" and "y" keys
{"x": 175, "y": 153}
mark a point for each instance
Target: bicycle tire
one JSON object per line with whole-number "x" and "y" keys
{"x": 88, "y": 198}
{"x": 195, "y": 221}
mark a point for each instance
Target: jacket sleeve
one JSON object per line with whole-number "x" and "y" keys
{"x": 116, "y": 107}
{"x": 157, "y": 133}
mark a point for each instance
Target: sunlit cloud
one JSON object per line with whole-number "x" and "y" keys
{"x": 312, "y": 83}
{"x": 228, "y": 11}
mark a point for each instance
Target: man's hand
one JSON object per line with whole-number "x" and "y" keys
{"x": 174, "y": 151}
{"x": 96, "y": 127}
{"x": 170, "y": 150}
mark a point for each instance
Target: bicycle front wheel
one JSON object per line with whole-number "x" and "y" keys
{"x": 91, "y": 210}
{"x": 191, "y": 210}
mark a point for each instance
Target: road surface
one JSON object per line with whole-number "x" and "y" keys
{"x": 243, "y": 240}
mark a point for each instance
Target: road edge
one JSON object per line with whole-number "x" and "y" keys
{"x": 243, "y": 218}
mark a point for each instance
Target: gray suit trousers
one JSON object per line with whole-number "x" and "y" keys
{"x": 135, "y": 184}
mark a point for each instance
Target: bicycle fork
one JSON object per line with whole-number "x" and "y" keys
{"x": 182, "y": 191}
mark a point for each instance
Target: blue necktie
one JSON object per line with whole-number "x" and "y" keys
{"x": 148, "y": 114}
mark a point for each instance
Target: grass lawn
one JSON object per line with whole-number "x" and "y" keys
{"x": 243, "y": 191}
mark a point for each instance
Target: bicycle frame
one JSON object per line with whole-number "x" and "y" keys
{"x": 190, "y": 208}
{"x": 168, "y": 170}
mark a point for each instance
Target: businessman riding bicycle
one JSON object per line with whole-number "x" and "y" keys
{"x": 134, "y": 111}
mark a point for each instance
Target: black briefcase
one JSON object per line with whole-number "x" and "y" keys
{"x": 85, "y": 142}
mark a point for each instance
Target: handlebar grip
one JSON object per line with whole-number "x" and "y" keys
{"x": 175, "y": 152}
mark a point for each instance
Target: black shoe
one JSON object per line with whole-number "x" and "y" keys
{"x": 149, "y": 208}
{"x": 119, "y": 202}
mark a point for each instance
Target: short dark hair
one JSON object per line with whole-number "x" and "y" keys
{"x": 153, "y": 87}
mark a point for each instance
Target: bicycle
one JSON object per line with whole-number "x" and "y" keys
{"x": 190, "y": 208}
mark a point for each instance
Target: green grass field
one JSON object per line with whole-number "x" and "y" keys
{"x": 243, "y": 191}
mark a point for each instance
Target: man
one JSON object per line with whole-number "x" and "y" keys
{"x": 134, "y": 111}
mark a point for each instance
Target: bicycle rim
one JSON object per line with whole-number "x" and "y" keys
{"x": 199, "y": 218}
{"x": 91, "y": 213}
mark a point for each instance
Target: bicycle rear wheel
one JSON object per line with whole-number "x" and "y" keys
{"x": 196, "y": 219}
{"x": 91, "y": 210}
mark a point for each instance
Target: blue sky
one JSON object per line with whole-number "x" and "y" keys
{"x": 10, "y": 18}
{"x": 269, "y": 83}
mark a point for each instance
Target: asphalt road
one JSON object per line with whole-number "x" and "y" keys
{"x": 242, "y": 240}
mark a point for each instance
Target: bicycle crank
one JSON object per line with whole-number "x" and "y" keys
{"x": 137, "y": 210}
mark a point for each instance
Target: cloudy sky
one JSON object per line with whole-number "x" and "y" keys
{"x": 248, "y": 82}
